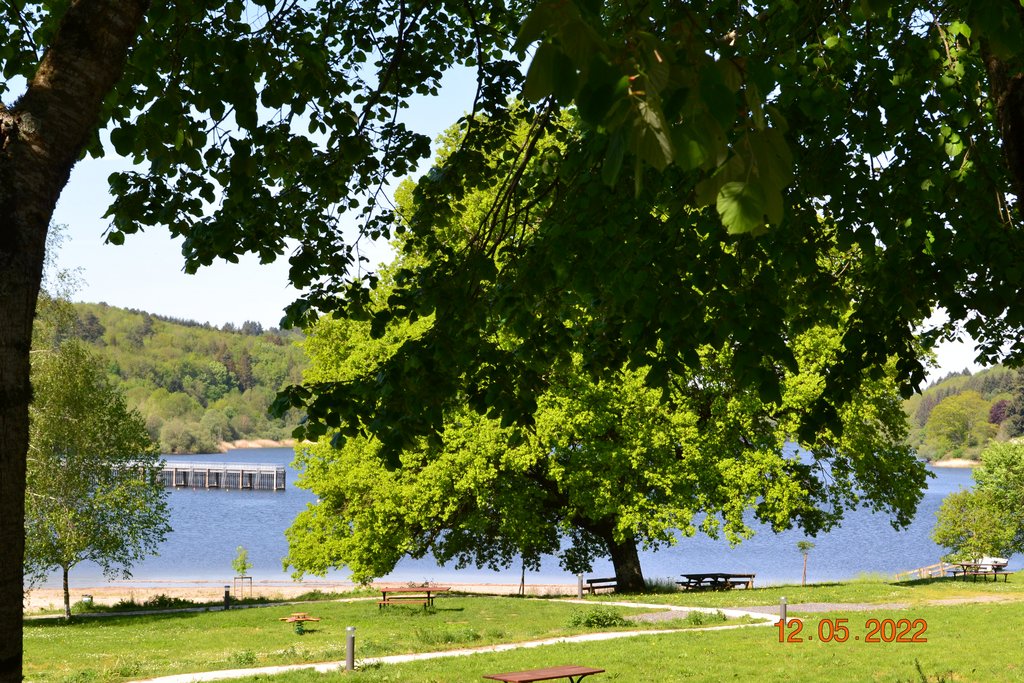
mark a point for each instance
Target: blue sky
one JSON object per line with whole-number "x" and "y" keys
{"x": 146, "y": 272}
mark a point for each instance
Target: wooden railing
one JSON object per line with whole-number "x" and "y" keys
{"x": 932, "y": 571}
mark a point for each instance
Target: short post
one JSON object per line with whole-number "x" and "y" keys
{"x": 227, "y": 597}
{"x": 579, "y": 586}
{"x": 782, "y": 610}
{"x": 350, "y": 648}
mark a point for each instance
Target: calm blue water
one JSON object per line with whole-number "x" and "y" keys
{"x": 210, "y": 525}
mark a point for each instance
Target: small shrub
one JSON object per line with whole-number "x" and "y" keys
{"x": 597, "y": 617}
{"x": 243, "y": 657}
{"x": 702, "y": 618}
{"x": 126, "y": 667}
{"x": 664, "y": 585}
{"x": 447, "y": 636}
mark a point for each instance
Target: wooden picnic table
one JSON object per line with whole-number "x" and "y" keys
{"x": 411, "y": 594}
{"x": 715, "y": 581}
{"x": 976, "y": 569}
{"x": 298, "y": 616}
{"x": 571, "y": 671}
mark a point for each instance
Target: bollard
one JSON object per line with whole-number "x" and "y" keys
{"x": 350, "y": 648}
{"x": 227, "y": 597}
{"x": 782, "y": 610}
{"x": 579, "y": 586}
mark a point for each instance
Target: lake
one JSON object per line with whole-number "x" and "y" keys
{"x": 210, "y": 524}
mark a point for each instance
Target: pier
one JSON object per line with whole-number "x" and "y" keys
{"x": 223, "y": 475}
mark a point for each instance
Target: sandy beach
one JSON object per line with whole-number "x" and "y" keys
{"x": 954, "y": 462}
{"x": 40, "y": 599}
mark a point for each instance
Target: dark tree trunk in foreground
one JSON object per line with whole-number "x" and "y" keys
{"x": 41, "y": 137}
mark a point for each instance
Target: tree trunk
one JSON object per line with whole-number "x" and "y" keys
{"x": 67, "y": 594}
{"x": 803, "y": 578}
{"x": 41, "y": 137}
{"x": 626, "y": 560}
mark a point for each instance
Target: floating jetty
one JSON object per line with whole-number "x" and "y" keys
{"x": 223, "y": 475}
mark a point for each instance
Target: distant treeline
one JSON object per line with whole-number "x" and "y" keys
{"x": 962, "y": 413}
{"x": 195, "y": 385}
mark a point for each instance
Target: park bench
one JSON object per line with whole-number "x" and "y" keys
{"x": 410, "y": 595}
{"x": 594, "y": 584}
{"x": 572, "y": 672}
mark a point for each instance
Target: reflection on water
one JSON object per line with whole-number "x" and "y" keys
{"x": 210, "y": 525}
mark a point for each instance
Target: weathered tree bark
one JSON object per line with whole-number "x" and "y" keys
{"x": 1007, "y": 84}
{"x": 67, "y": 594}
{"x": 41, "y": 137}
{"x": 625, "y": 559}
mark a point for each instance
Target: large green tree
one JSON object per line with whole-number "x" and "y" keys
{"x": 261, "y": 121}
{"x": 611, "y": 465}
{"x": 989, "y": 519}
{"x": 93, "y": 487}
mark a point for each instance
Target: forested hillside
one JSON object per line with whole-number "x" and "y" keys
{"x": 196, "y": 386}
{"x": 962, "y": 413}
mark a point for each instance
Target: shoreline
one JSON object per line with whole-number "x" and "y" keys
{"x": 42, "y": 599}
{"x": 958, "y": 463}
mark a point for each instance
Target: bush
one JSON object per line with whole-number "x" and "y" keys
{"x": 598, "y": 617}
{"x": 702, "y": 618}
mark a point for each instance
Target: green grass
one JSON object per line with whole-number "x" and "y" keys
{"x": 912, "y": 592}
{"x": 979, "y": 642}
{"x": 966, "y": 642}
{"x": 125, "y": 647}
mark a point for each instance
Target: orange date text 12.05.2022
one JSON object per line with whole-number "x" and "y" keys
{"x": 837, "y": 631}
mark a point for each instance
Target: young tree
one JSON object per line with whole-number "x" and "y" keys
{"x": 241, "y": 563}
{"x": 805, "y": 549}
{"x": 1001, "y": 477}
{"x": 973, "y": 524}
{"x": 93, "y": 488}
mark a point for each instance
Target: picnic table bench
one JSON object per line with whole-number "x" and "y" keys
{"x": 298, "y": 617}
{"x": 411, "y": 595}
{"x": 974, "y": 570}
{"x": 572, "y": 672}
{"x": 716, "y": 581}
{"x": 594, "y": 584}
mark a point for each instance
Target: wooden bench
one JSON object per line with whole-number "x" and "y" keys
{"x": 572, "y": 672}
{"x": 410, "y": 595}
{"x": 405, "y": 600}
{"x": 594, "y": 584}
{"x": 985, "y": 574}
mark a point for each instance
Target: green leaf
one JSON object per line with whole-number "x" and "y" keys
{"x": 741, "y": 207}
{"x": 540, "y": 78}
{"x": 651, "y": 139}
{"x": 612, "y": 164}
{"x": 564, "y": 78}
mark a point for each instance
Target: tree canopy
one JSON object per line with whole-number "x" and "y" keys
{"x": 93, "y": 488}
{"x": 611, "y": 465}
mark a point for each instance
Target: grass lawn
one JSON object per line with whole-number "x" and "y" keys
{"x": 965, "y": 642}
{"x": 130, "y": 647}
{"x": 981, "y": 642}
{"x": 869, "y": 591}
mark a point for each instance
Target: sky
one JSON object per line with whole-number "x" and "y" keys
{"x": 146, "y": 273}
